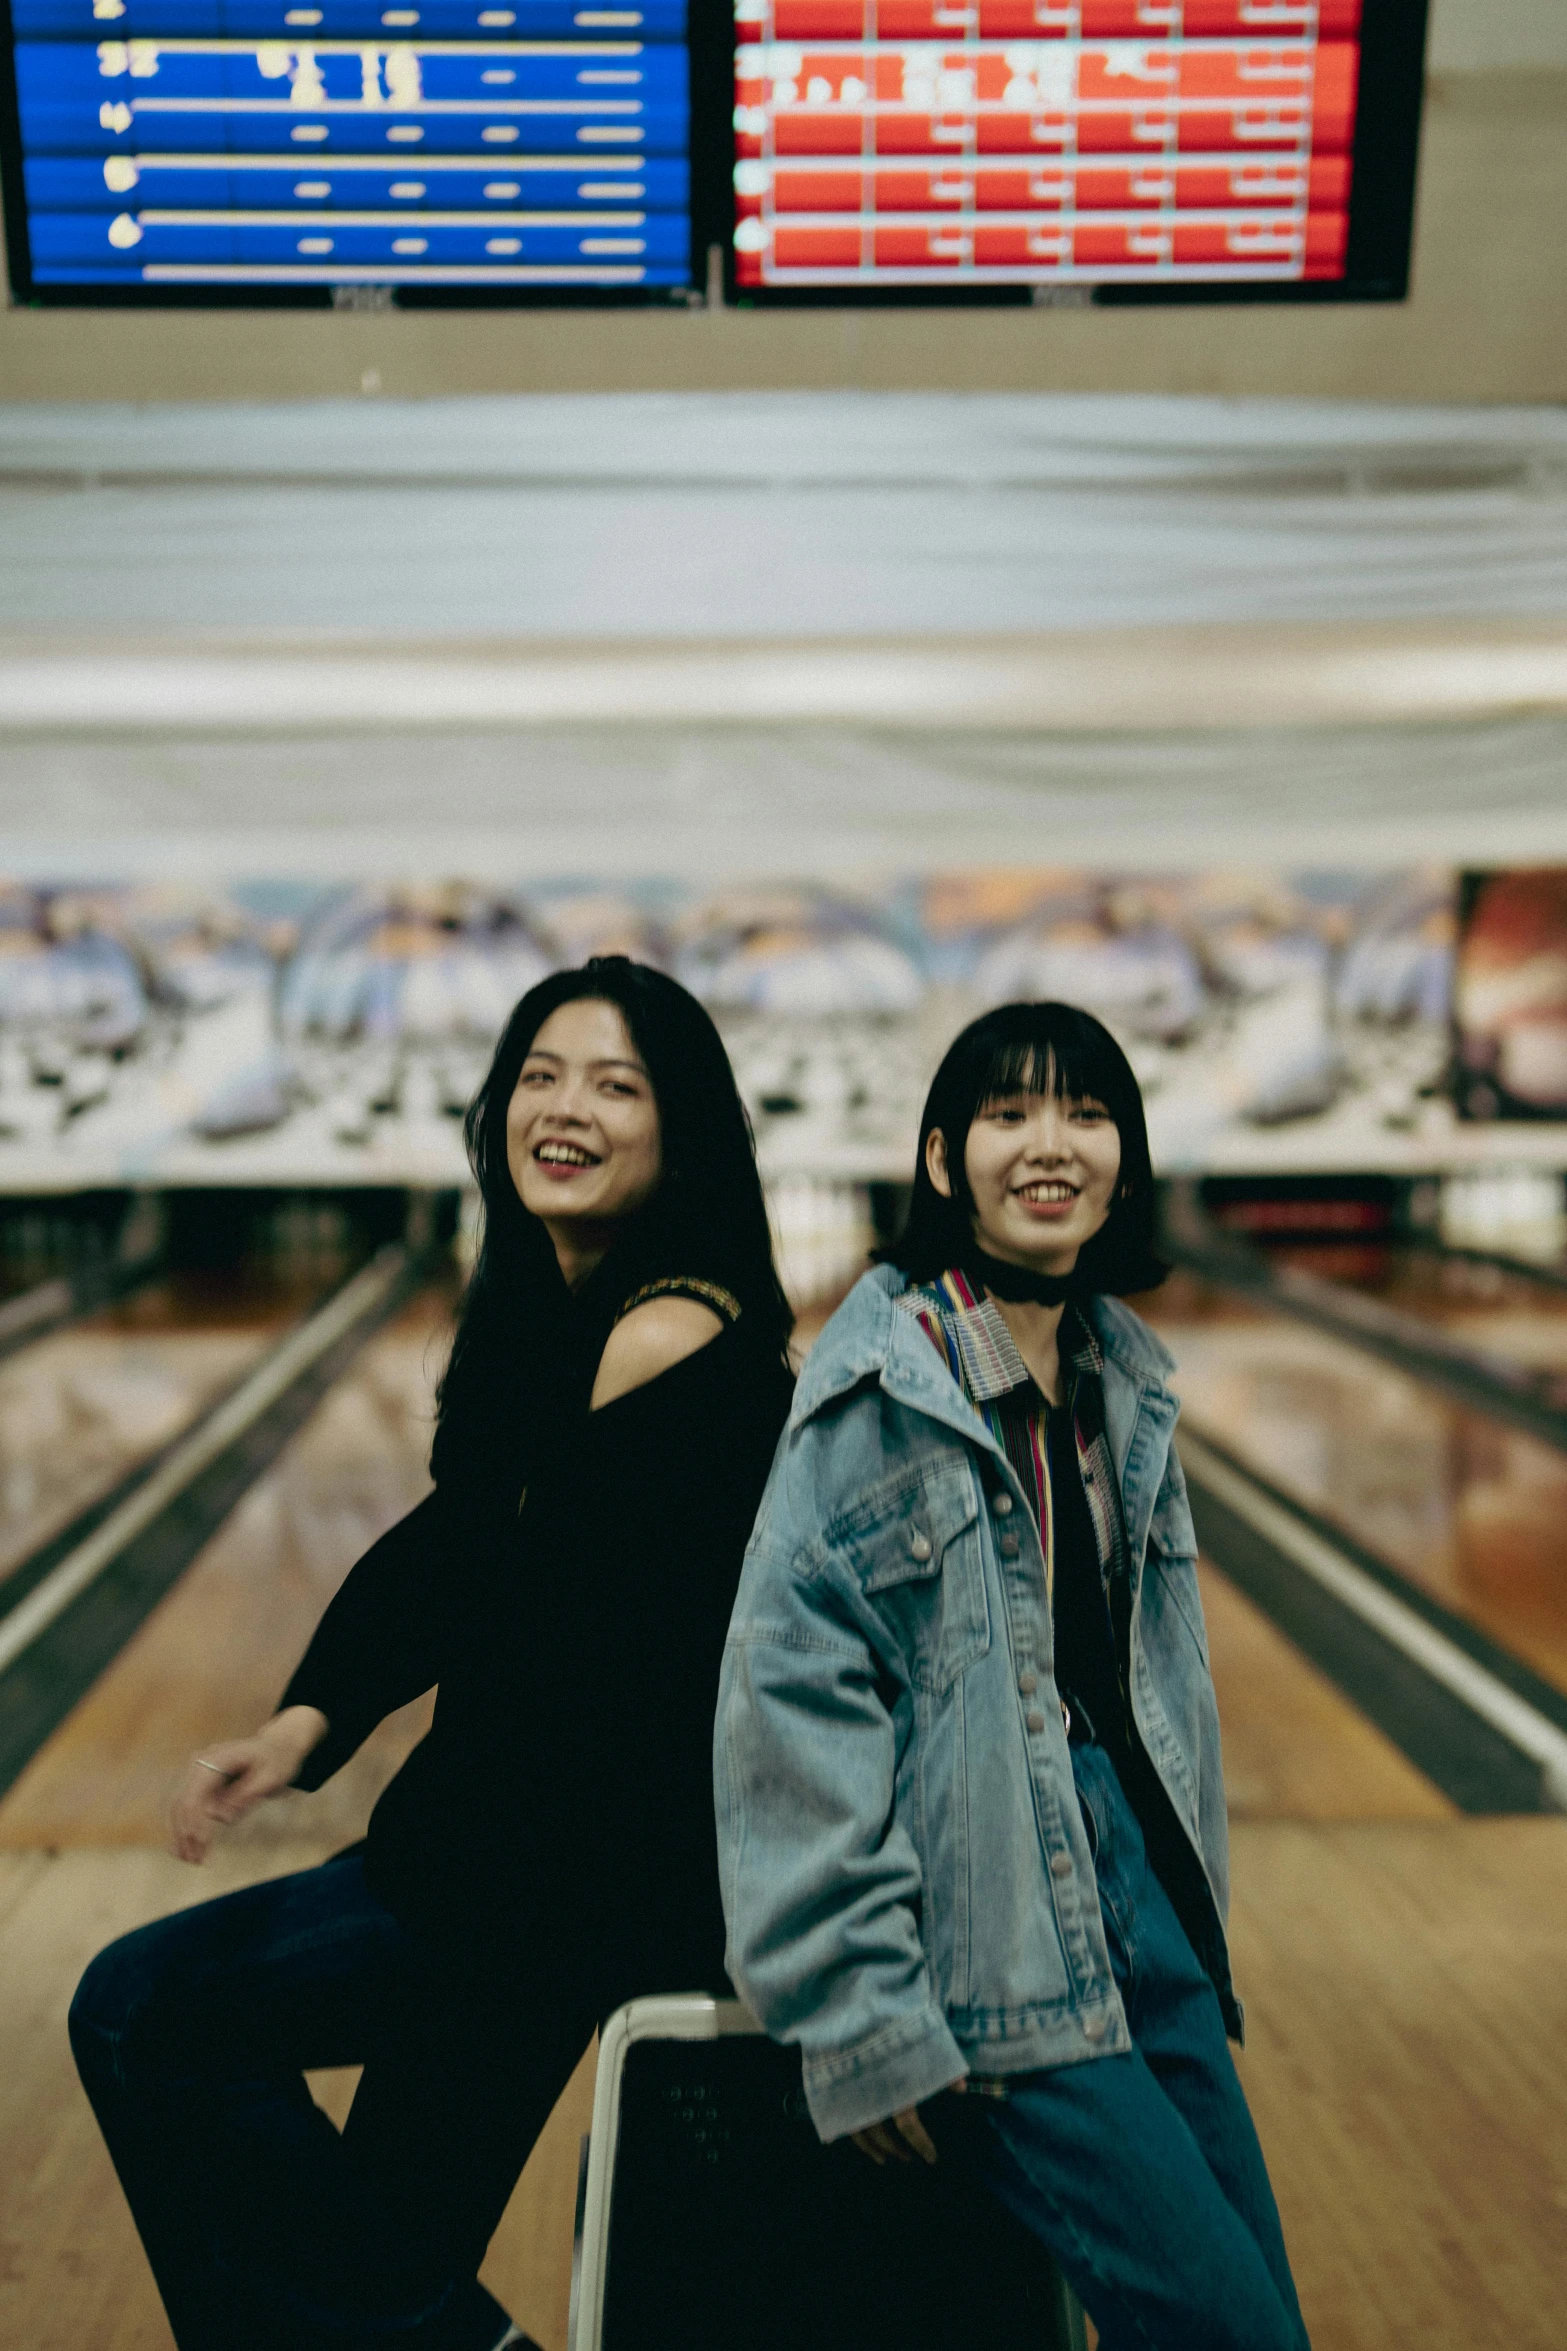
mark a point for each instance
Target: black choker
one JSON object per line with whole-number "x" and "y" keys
{"x": 1019, "y": 1285}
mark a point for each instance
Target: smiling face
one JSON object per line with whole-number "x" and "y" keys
{"x": 1042, "y": 1171}
{"x": 582, "y": 1130}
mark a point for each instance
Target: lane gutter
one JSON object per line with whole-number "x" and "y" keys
{"x": 49, "y": 1306}
{"x": 69, "y": 1622}
{"x": 47, "y": 1302}
{"x": 1482, "y": 1382}
{"x": 1489, "y": 1731}
{"x": 1549, "y": 1271}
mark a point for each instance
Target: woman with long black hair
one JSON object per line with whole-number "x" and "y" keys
{"x": 606, "y": 1422}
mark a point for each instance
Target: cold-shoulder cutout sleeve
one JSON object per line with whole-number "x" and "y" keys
{"x": 651, "y": 1339}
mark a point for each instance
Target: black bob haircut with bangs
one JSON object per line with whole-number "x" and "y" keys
{"x": 1034, "y": 1049}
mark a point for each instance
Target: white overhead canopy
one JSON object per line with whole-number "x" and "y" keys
{"x": 680, "y": 516}
{"x": 727, "y": 633}
{"x": 724, "y": 803}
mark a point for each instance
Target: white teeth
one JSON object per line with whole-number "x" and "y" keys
{"x": 564, "y": 1155}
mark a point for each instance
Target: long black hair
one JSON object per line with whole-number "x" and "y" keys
{"x": 1034, "y": 1049}
{"x": 526, "y": 1347}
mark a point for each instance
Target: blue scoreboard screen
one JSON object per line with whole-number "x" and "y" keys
{"x": 167, "y": 147}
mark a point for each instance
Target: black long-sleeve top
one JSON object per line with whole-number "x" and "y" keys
{"x": 562, "y": 1801}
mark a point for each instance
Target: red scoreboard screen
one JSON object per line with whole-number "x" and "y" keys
{"x": 1170, "y": 148}
{"x": 831, "y": 151}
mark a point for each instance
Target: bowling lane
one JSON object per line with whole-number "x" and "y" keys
{"x": 1294, "y": 1747}
{"x": 81, "y": 1407}
{"x": 1470, "y": 1509}
{"x": 211, "y": 1659}
{"x": 1517, "y": 1318}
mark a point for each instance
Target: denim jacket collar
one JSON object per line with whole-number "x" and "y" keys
{"x": 866, "y": 1339}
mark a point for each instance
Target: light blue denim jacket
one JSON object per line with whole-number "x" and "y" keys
{"x": 907, "y": 1881}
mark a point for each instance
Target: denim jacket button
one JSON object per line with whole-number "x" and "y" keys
{"x": 1093, "y": 2028}
{"x": 1010, "y": 1546}
{"x": 1060, "y": 1865}
{"x": 1027, "y": 1684}
{"x": 1036, "y": 1722}
{"x": 920, "y": 1545}
{"x": 1002, "y": 1505}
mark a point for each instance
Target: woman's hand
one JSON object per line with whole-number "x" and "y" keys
{"x": 900, "y": 2138}
{"x": 227, "y": 1779}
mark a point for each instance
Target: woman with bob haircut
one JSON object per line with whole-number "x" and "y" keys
{"x": 615, "y": 1390}
{"x": 971, "y": 1815}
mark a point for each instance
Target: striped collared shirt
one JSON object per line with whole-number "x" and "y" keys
{"x": 968, "y": 1329}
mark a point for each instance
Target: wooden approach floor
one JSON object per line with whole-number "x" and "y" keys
{"x": 1407, "y": 2012}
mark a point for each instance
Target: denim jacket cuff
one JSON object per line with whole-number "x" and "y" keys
{"x": 899, "y": 2066}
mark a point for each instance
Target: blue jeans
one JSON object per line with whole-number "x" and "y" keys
{"x": 267, "y": 2229}
{"x": 1142, "y": 2173}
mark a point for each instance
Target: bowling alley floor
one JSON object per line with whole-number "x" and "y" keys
{"x": 1406, "y": 1994}
{"x": 1407, "y": 2007}
{"x": 82, "y": 1406}
{"x": 1403, "y": 1967}
{"x": 1467, "y": 1508}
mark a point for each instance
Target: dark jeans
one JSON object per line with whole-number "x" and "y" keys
{"x": 1142, "y": 2173}
{"x": 267, "y": 2229}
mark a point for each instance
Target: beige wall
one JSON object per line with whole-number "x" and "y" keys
{"x": 1468, "y": 34}
{"x": 1487, "y": 319}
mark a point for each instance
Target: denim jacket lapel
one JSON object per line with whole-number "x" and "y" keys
{"x": 869, "y": 1339}
{"x": 1140, "y": 1417}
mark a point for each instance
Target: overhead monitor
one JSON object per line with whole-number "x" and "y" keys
{"x": 833, "y": 150}
{"x": 1081, "y": 150}
{"x": 253, "y": 150}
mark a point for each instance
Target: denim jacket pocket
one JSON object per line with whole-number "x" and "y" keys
{"x": 1171, "y": 1529}
{"x": 919, "y": 1561}
{"x": 1172, "y": 1551}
